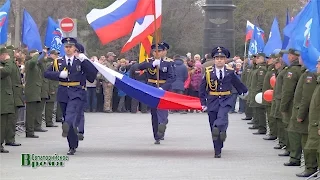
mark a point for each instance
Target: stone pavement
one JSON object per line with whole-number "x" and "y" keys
{"x": 120, "y": 147}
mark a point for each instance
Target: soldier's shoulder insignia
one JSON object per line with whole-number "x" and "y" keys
{"x": 285, "y": 67}
{"x": 272, "y": 69}
{"x": 168, "y": 60}
{"x": 229, "y": 68}
{"x": 248, "y": 70}
{"x": 309, "y": 79}
{"x": 210, "y": 68}
{"x": 261, "y": 73}
{"x": 289, "y": 75}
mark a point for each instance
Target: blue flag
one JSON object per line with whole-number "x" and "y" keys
{"x": 311, "y": 46}
{"x": 297, "y": 29}
{"x": 4, "y": 19}
{"x": 286, "y": 38}
{"x": 274, "y": 41}
{"x": 54, "y": 36}
{"x": 30, "y": 33}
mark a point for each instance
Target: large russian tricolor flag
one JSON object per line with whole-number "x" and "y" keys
{"x": 118, "y": 19}
{"x": 145, "y": 26}
{"x": 153, "y": 97}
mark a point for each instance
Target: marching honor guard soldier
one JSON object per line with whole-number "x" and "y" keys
{"x": 71, "y": 73}
{"x": 166, "y": 78}
{"x": 215, "y": 95}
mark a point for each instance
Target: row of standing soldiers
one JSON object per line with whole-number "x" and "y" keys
{"x": 293, "y": 113}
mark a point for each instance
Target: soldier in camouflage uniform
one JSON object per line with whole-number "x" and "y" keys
{"x": 275, "y": 112}
{"x": 271, "y": 71}
{"x": 244, "y": 77}
{"x": 299, "y": 121}
{"x": 313, "y": 141}
{"x": 107, "y": 86}
{"x": 290, "y": 82}
{"x": 259, "y": 110}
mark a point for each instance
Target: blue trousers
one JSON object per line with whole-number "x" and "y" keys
{"x": 234, "y": 101}
{"x": 70, "y": 113}
{"x": 158, "y": 117}
{"x": 91, "y": 99}
{"x": 219, "y": 119}
{"x": 80, "y": 119}
{"x": 242, "y": 105}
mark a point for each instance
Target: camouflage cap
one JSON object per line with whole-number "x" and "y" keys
{"x": 3, "y": 50}
{"x": 292, "y": 51}
{"x": 54, "y": 52}
{"x": 261, "y": 54}
{"x": 272, "y": 56}
{"x": 33, "y": 51}
{"x": 276, "y": 60}
{"x": 10, "y": 47}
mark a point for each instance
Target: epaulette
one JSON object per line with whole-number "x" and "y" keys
{"x": 286, "y": 67}
{"x": 229, "y": 68}
{"x": 210, "y": 68}
{"x": 168, "y": 60}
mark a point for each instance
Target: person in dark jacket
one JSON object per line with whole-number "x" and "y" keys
{"x": 181, "y": 73}
{"x": 140, "y": 76}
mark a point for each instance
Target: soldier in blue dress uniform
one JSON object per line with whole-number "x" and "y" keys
{"x": 216, "y": 97}
{"x": 166, "y": 78}
{"x": 71, "y": 73}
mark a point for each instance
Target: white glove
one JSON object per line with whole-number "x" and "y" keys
{"x": 82, "y": 57}
{"x": 160, "y": 88}
{"x": 243, "y": 95}
{"x": 63, "y": 74}
{"x": 156, "y": 63}
{"x": 204, "y": 108}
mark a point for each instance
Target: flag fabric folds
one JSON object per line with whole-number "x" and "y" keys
{"x": 145, "y": 49}
{"x": 54, "y": 36}
{"x": 145, "y": 26}
{"x": 4, "y": 19}
{"x": 250, "y": 30}
{"x": 274, "y": 41}
{"x": 30, "y": 33}
{"x": 118, "y": 19}
{"x": 153, "y": 97}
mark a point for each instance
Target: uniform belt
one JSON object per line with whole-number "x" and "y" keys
{"x": 69, "y": 83}
{"x": 155, "y": 81}
{"x": 224, "y": 93}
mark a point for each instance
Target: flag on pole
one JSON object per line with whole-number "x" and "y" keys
{"x": 4, "y": 19}
{"x": 250, "y": 30}
{"x": 145, "y": 49}
{"x": 274, "y": 41}
{"x": 144, "y": 27}
{"x": 54, "y": 36}
{"x": 30, "y": 33}
{"x": 118, "y": 19}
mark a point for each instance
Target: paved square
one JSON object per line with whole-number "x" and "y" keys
{"x": 120, "y": 147}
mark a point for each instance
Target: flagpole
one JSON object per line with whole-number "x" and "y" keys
{"x": 245, "y": 50}
{"x": 156, "y": 39}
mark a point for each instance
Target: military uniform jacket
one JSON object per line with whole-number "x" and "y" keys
{"x": 301, "y": 102}
{"x": 314, "y": 119}
{"x": 212, "y": 89}
{"x": 17, "y": 85}
{"x": 244, "y": 75}
{"x": 45, "y": 81}
{"x": 290, "y": 81}
{"x": 166, "y": 73}
{"x": 52, "y": 85}
{"x": 7, "y": 102}
{"x": 266, "y": 82}
{"x": 108, "y": 65}
{"x": 79, "y": 72}
{"x": 278, "y": 91}
{"x": 257, "y": 83}
{"x": 33, "y": 79}
{"x": 249, "y": 83}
